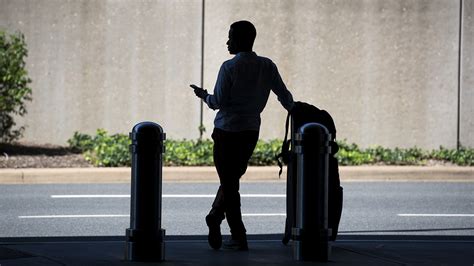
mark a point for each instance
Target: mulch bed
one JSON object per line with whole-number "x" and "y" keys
{"x": 18, "y": 155}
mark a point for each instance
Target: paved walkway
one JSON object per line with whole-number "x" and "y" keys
{"x": 264, "y": 250}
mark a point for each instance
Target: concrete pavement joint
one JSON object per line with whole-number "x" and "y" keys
{"x": 253, "y": 174}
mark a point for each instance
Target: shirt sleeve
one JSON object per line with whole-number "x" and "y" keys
{"x": 279, "y": 88}
{"x": 221, "y": 90}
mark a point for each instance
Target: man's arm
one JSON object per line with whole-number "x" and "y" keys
{"x": 200, "y": 92}
{"x": 221, "y": 91}
{"x": 279, "y": 88}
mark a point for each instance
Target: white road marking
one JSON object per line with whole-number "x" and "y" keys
{"x": 263, "y": 214}
{"x": 164, "y": 196}
{"x": 88, "y": 196}
{"x": 168, "y": 196}
{"x": 435, "y": 215}
{"x": 74, "y": 216}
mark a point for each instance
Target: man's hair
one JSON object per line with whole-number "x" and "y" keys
{"x": 245, "y": 32}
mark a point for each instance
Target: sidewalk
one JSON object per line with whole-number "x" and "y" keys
{"x": 253, "y": 174}
{"x": 264, "y": 250}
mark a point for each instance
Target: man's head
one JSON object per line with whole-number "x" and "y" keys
{"x": 241, "y": 37}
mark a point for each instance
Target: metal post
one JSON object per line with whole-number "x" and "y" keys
{"x": 145, "y": 237}
{"x": 311, "y": 234}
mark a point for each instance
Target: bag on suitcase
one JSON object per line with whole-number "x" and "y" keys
{"x": 301, "y": 114}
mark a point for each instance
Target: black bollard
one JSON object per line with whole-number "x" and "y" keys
{"x": 311, "y": 234}
{"x": 145, "y": 237}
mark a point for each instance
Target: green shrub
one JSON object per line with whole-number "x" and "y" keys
{"x": 14, "y": 80}
{"x": 103, "y": 149}
{"x": 265, "y": 152}
{"x": 397, "y": 156}
{"x": 351, "y": 154}
{"x": 463, "y": 156}
{"x": 81, "y": 142}
{"x": 110, "y": 150}
{"x": 113, "y": 150}
{"x": 188, "y": 152}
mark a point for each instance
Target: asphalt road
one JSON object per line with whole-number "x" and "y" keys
{"x": 373, "y": 208}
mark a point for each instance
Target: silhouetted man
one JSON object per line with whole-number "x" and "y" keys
{"x": 240, "y": 94}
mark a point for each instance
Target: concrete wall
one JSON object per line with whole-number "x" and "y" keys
{"x": 108, "y": 64}
{"x": 386, "y": 70}
{"x": 467, "y": 88}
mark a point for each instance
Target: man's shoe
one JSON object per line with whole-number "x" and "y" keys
{"x": 214, "y": 238}
{"x": 236, "y": 244}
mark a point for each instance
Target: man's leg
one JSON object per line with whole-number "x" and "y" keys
{"x": 214, "y": 220}
{"x": 218, "y": 205}
{"x": 216, "y": 215}
{"x": 232, "y": 150}
{"x": 218, "y": 209}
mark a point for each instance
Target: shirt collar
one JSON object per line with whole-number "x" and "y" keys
{"x": 246, "y": 54}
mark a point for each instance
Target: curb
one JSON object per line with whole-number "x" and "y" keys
{"x": 253, "y": 174}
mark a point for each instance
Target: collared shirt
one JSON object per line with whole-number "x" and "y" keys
{"x": 242, "y": 90}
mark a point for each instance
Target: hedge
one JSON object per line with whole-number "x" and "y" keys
{"x": 113, "y": 150}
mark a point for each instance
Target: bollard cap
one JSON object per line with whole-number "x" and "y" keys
{"x": 150, "y": 129}
{"x": 313, "y": 136}
{"x": 313, "y": 128}
{"x": 146, "y": 132}
{"x": 147, "y": 137}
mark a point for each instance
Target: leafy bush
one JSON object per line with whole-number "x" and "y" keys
{"x": 397, "y": 156}
{"x": 188, "y": 152}
{"x": 81, "y": 142}
{"x": 463, "y": 156}
{"x": 113, "y": 150}
{"x": 14, "y": 90}
{"x": 103, "y": 149}
{"x": 351, "y": 154}
{"x": 265, "y": 152}
{"x": 110, "y": 150}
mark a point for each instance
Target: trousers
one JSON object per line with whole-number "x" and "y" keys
{"x": 232, "y": 152}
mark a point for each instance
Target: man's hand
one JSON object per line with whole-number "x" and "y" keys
{"x": 201, "y": 93}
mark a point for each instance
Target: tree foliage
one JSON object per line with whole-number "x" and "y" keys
{"x": 14, "y": 84}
